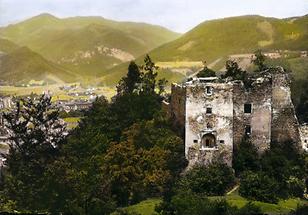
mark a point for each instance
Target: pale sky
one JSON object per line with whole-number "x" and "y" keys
{"x": 177, "y": 15}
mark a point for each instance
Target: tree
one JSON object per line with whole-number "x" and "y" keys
{"x": 211, "y": 180}
{"x": 234, "y": 71}
{"x": 259, "y": 60}
{"x": 259, "y": 186}
{"x": 206, "y": 72}
{"x": 76, "y": 176}
{"x": 149, "y": 76}
{"x": 36, "y": 135}
{"x": 128, "y": 84}
{"x": 245, "y": 157}
{"x": 187, "y": 202}
{"x": 145, "y": 159}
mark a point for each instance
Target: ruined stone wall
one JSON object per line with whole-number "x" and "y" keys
{"x": 259, "y": 120}
{"x": 285, "y": 125}
{"x": 177, "y": 107}
{"x": 219, "y": 123}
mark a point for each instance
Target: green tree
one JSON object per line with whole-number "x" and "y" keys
{"x": 211, "y": 180}
{"x": 234, "y": 71}
{"x": 145, "y": 159}
{"x": 78, "y": 180}
{"x": 259, "y": 60}
{"x": 129, "y": 84}
{"x": 187, "y": 202}
{"x": 37, "y": 135}
{"x": 245, "y": 157}
{"x": 206, "y": 72}
{"x": 149, "y": 76}
{"x": 259, "y": 186}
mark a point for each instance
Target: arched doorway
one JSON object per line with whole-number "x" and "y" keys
{"x": 208, "y": 141}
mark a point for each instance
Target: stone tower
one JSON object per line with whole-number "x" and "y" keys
{"x": 214, "y": 115}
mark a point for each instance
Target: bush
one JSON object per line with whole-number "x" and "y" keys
{"x": 187, "y": 202}
{"x": 296, "y": 187}
{"x": 301, "y": 210}
{"x": 198, "y": 204}
{"x": 206, "y": 72}
{"x": 245, "y": 157}
{"x": 212, "y": 180}
{"x": 259, "y": 186}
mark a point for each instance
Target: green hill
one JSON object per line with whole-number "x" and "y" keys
{"x": 94, "y": 47}
{"x": 217, "y": 38}
{"x": 20, "y": 64}
{"x": 86, "y": 45}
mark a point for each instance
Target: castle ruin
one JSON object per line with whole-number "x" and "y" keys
{"x": 214, "y": 115}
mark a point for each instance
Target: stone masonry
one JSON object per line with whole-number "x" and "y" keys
{"x": 214, "y": 115}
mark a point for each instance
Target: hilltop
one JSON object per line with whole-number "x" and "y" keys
{"x": 100, "y": 49}
{"x": 217, "y": 40}
{"x": 86, "y": 45}
{"x": 244, "y": 34}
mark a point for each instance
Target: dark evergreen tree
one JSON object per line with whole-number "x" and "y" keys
{"x": 245, "y": 157}
{"x": 128, "y": 84}
{"x": 206, "y": 72}
{"x": 259, "y": 60}
{"x": 234, "y": 71}
{"x": 36, "y": 135}
{"x": 259, "y": 186}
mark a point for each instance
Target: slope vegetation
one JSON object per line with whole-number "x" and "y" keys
{"x": 213, "y": 39}
{"x": 86, "y": 45}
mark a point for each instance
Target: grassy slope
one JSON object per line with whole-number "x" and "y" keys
{"x": 219, "y": 38}
{"x": 56, "y": 38}
{"x": 147, "y": 207}
{"x": 22, "y": 64}
{"x": 213, "y": 39}
{"x": 7, "y": 46}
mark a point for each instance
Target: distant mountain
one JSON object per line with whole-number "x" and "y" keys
{"x": 216, "y": 40}
{"x": 20, "y": 64}
{"x": 86, "y": 45}
{"x": 244, "y": 34}
{"x": 94, "y": 47}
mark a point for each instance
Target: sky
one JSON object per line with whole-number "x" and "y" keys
{"x": 177, "y": 15}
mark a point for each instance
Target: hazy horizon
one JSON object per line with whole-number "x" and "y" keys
{"x": 167, "y": 14}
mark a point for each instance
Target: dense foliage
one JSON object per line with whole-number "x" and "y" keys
{"x": 122, "y": 151}
{"x": 187, "y": 202}
{"x": 278, "y": 173}
{"x": 206, "y": 72}
{"x": 36, "y": 135}
{"x": 212, "y": 180}
{"x": 234, "y": 71}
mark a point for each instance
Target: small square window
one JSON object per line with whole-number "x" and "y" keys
{"x": 247, "y": 108}
{"x": 248, "y": 130}
{"x": 195, "y": 141}
{"x": 209, "y": 90}
{"x": 208, "y": 110}
{"x": 222, "y": 142}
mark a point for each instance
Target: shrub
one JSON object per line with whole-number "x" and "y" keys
{"x": 187, "y": 202}
{"x": 296, "y": 187}
{"x": 245, "y": 157}
{"x": 259, "y": 186}
{"x": 300, "y": 210}
{"x": 214, "y": 179}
